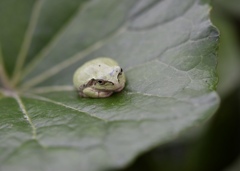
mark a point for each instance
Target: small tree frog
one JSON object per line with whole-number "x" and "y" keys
{"x": 99, "y": 78}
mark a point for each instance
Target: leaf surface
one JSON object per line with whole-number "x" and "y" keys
{"x": 167, "y": 50}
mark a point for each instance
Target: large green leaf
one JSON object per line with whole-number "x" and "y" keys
{"x": 167, "y": 49}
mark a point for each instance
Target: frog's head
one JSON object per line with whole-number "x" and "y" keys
{"x": 112, "y": 80}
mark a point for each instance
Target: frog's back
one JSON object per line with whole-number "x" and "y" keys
{"x": 92, "y": 70}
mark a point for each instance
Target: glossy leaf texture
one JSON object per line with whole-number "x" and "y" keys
{"x": 166, "y": 48}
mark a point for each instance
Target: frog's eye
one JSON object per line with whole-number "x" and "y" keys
{"x": 101, "y": 82}
{"x": 120, "y": 73}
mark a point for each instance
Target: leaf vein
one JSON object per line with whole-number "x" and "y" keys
{"x": 26, "y": 115}
{"x": 61, "y": 104}
{"x": 27, "y": 41}
{"x": 43, "y": 52}
{"x": 4, "y": 80}
{"x": 59, "y": 67}
{"x": 152, "y": 26}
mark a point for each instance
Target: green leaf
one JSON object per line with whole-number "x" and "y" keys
{"x": 167, "y": 50}
{"x": 14, "y": 16}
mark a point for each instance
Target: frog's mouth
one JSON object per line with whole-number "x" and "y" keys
{"x": 109, "y": 90}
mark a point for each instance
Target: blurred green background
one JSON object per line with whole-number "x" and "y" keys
{"x": 216, "y": 145}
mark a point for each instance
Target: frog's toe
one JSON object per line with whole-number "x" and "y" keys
{"x": 93, "y": 93}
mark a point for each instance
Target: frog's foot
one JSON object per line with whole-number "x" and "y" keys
{"x": 93, "y": 93}
{"x": 119, "y": 89}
